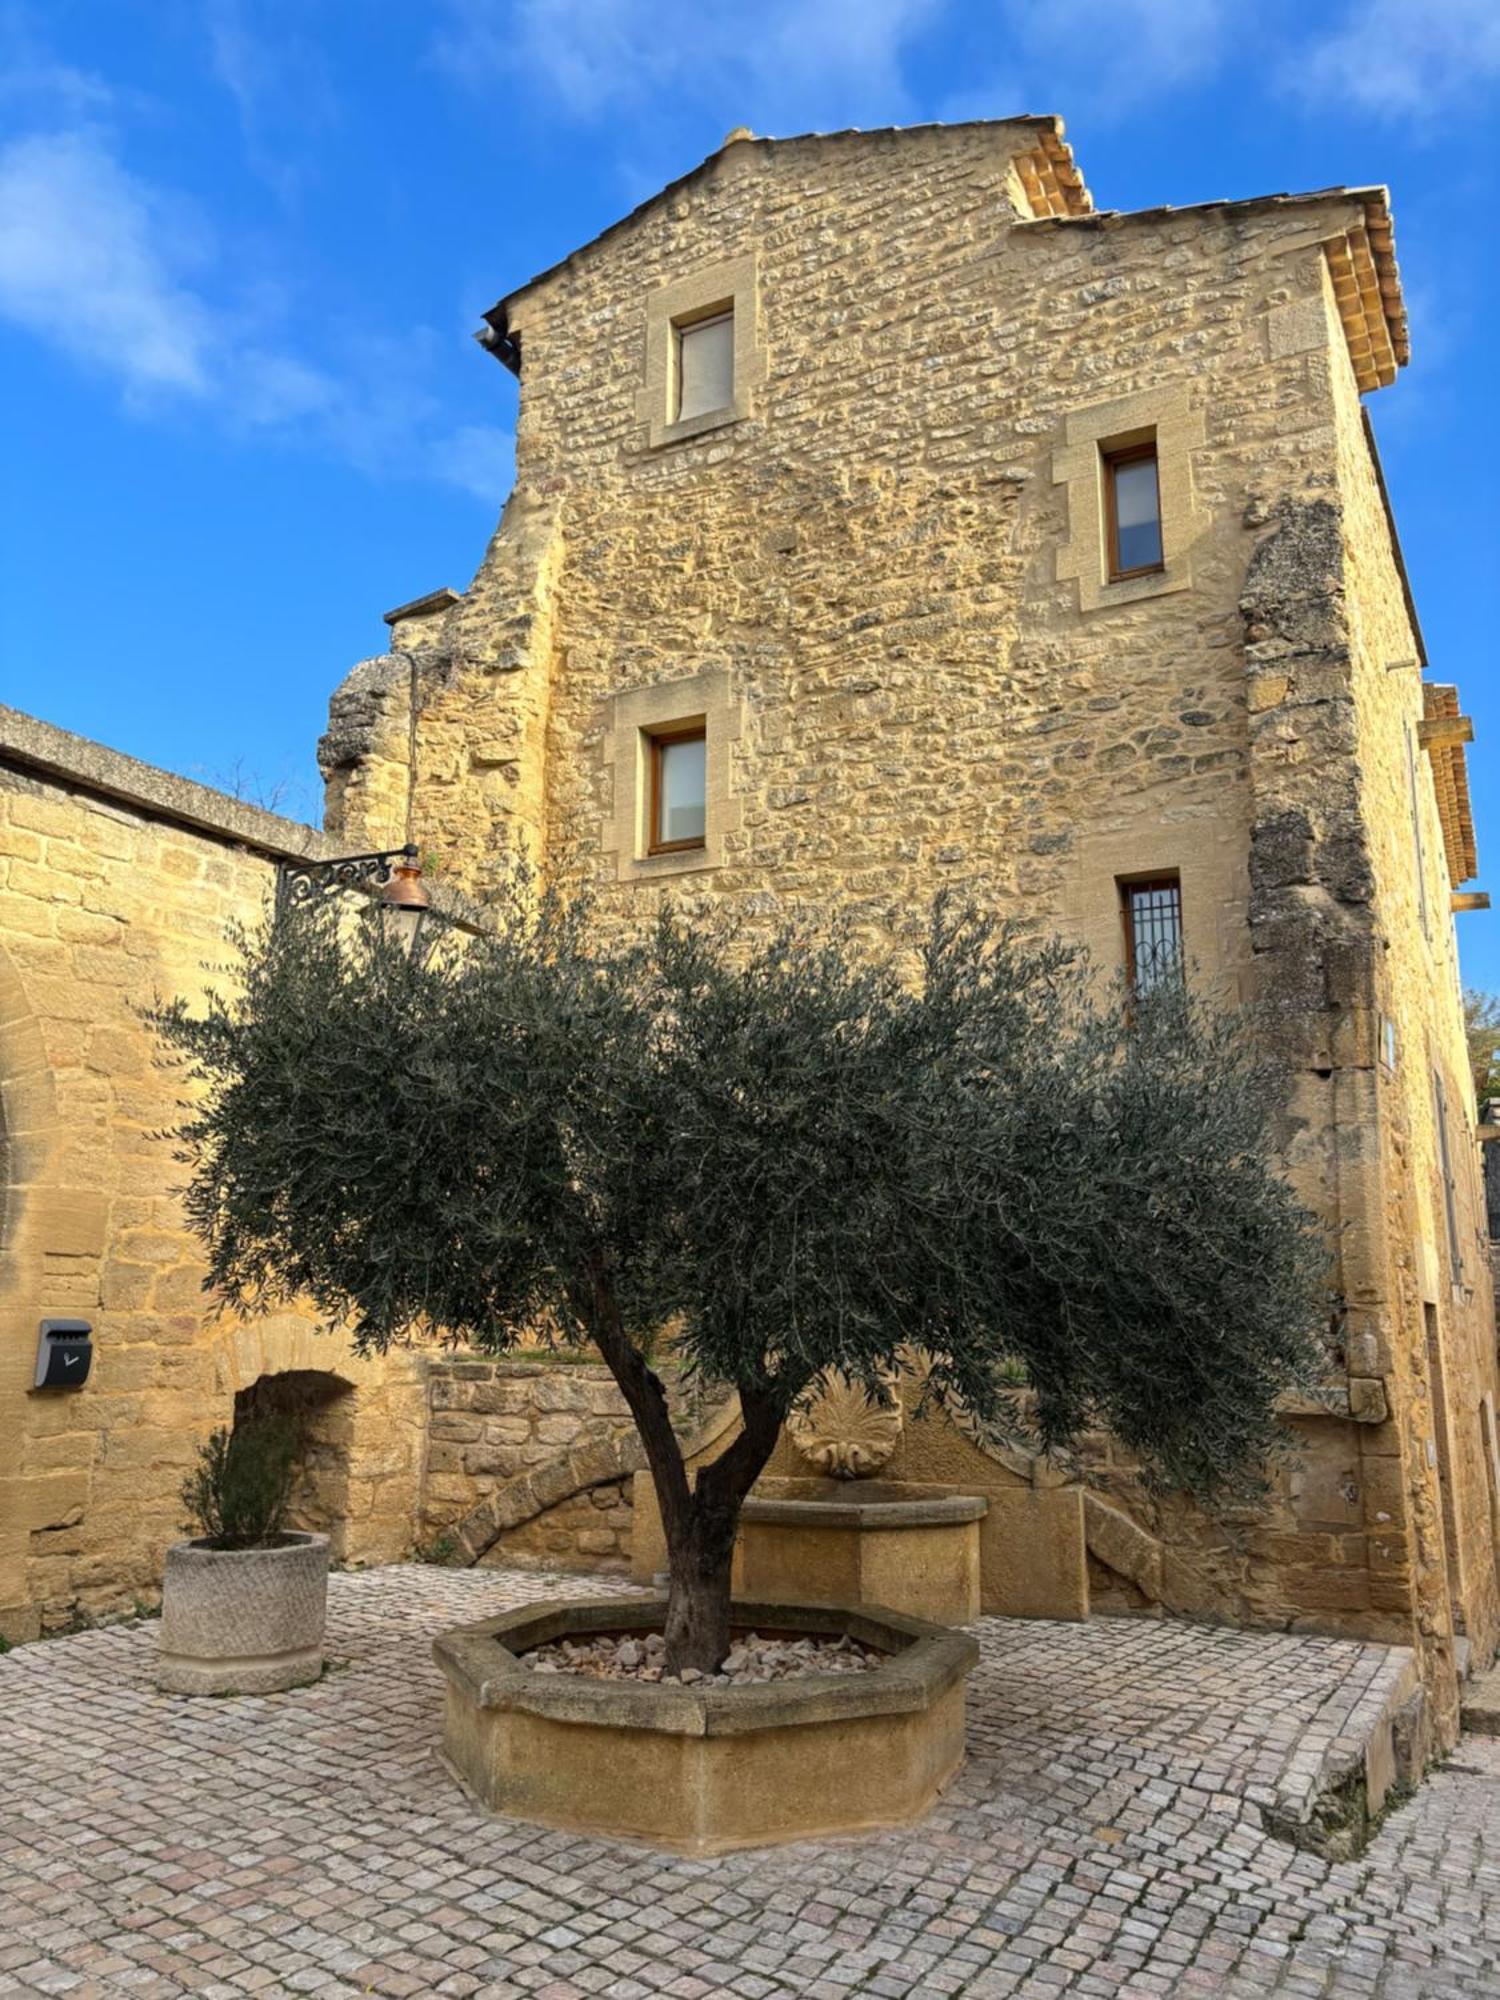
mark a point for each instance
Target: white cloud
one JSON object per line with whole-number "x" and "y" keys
{"x": 121, "y": 276}
{"x": 1400, "y": 58}
{"x": 30, "y": 75}
{"x": 775, "y": 64}
{"x": 90, "y": 260}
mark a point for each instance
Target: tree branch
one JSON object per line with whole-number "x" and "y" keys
{"x": 643, "y": 1391}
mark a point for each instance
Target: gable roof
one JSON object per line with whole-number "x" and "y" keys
{"x": 1361, "y": 257}
{"x": 1047, "y": 172}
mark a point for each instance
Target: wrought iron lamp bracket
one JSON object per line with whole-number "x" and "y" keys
{"x": 301, "y": 882}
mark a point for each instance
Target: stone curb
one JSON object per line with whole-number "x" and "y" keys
{"x": 1347, "y": 1759}
{"x": 479, "y": 1659}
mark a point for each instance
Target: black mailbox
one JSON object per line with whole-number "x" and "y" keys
{"x": 64, "y": 1354}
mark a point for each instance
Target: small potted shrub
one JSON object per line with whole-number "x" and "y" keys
{"x": 244, "y": 1602}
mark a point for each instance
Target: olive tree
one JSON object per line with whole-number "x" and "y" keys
{"x": 788, "y": 1154}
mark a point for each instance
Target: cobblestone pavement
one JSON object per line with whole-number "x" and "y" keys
{"x": 1101, "y": 1839}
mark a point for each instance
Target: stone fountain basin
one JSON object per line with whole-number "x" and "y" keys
{"x": 709, "y": 1768}
{"x": 863, "y": 1541}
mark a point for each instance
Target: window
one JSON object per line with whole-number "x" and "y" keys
{"x": 1153, "y": 933}
{"x": 679, "y": 789}
{"x": 1159, "y": 431}
{"x": 1132, "y": 508}
{"x": 705, "y": 362}
{"x": 684, "y": 731}
{"x": 705, "y": 365}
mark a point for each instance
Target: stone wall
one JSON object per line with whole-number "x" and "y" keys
{"x": 529, "y": 1461}
{"x": 117, "y": 884}
{"x": 888, "y": 559}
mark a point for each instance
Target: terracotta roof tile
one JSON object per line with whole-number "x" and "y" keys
{"x": 1450, "y": 777}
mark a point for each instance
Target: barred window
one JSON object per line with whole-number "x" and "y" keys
{"x": 1153, "y": 932}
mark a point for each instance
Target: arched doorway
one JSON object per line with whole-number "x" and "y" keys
{"x": 321, "y": 1405}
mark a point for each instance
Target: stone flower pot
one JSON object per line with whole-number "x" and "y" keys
{"x": 703, "y": 1769}
{"x": 243, "y": 1621}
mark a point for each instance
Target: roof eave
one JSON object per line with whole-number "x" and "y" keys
{"x": 1361, "y": 258}
{"x": 1450, "y": 778}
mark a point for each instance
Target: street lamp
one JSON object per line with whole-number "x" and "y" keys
{"x": 395, "y": 873}
{"x": 404, "y": 903}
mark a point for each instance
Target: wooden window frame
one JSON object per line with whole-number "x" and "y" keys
{"x": 658, "y": 740}
{"x": 1112, "y": 460}
{"x": 690, "y": 323}
{"x": 1133, "y": 885}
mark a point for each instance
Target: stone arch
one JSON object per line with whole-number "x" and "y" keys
{"x": 321, "y": 1404}
{"x": 592, "y": 1462}
{"x": 361, "y": 1480}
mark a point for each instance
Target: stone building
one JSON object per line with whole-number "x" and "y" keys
{"x": 887, "y": 517}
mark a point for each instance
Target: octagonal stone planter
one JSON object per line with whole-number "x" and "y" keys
{"x": 704, "y": 1769}
{"x": 852, "y": 1541}
{"x": 243, "y": 1621}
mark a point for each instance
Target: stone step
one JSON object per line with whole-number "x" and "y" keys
{"x": 1481, "y": 1704}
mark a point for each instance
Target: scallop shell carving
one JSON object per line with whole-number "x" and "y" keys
{"x": 841, "y": 1430}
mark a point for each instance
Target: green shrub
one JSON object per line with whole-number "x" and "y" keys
{"x": 237, "y": 1495}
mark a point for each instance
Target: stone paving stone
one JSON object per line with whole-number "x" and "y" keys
{"x": 1105, "y": 1838}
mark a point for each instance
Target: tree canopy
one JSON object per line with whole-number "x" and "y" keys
{"x": 1482, "y": 1031}
{"x": 791, "y": 1153}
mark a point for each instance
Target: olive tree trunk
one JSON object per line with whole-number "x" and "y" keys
{"x": 700, "y": 1528}
{"x": 700, "y": 1520}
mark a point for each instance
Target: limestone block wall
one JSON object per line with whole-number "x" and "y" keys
{"x": 538, "y": 1451}
{"x": 116, "y": 884}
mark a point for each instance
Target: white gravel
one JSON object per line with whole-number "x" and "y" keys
{"x": 642, "y": 1657}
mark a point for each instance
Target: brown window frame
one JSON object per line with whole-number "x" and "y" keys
{"x": 656, "y": 741}
{"x": 1134, "y": 885}
{"x": 1112, "y": 460}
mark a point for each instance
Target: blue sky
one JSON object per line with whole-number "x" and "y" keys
{"x": 244, "y": 244}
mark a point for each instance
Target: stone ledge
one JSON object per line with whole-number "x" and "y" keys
{"x": 38, "y": 748}
{"x": 1360, "y": 1400}
{"x": 919, "y": 1511}
{"x": 88, "y": 766}
{"x": 1336, "y": 1782}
